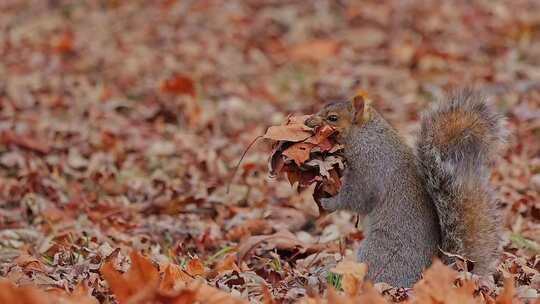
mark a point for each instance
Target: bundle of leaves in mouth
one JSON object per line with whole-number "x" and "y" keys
{"x": 307, "y": 156}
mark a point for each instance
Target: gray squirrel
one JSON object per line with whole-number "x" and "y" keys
{"x": 418, "y": 205}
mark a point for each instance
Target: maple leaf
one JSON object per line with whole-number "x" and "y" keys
{"x": 437, "y": 286}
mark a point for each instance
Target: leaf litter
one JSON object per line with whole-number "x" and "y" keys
{"x": 120, "y": 123}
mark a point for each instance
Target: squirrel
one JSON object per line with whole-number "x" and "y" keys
{"x": 434, "y": 200}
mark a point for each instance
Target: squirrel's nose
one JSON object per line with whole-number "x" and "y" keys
{"x": 313, "y": 121}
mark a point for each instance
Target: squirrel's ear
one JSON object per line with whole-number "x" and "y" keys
{"x": 358, "y": 104}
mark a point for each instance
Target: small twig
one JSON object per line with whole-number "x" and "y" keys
{"x": 240, "y": 160}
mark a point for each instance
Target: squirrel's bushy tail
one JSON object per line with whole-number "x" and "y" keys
{"x": 458, "y": 141}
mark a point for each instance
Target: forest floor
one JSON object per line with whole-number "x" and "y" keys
{"x": 121, "y": 123}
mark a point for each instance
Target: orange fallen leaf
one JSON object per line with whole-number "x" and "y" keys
{"x": 508, "y": 293}
{"x": 63, "y": 43}
{"x": 247, "y": 228}
{"x": 210, "y": 295}
{"x": 228, "y": 263}
{"x": 26, "y": 261}
{"x": 368, "y": 295}
{"x": 321, "y": 138}
{"x": 315, "y": 50}
{"x": 353, "y": 275}
{"x": 266, "y": 296}
{"x": 178, "y": 85}
{"x": 437, "y": 286}
{"x": 195, "y": 267}
{"x": 139, "y": 282}
{"x": 9, "y": 293}
{"x": 173, "y": 276}
{"x": 80, "y": 295}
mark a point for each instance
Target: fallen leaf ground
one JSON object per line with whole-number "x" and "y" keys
{"x": 121, "y": 123}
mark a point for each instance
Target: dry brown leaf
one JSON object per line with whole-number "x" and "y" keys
{"x": 80, "y": 295}
{"x": 353, "y": 275}
{"x": 367, "y": 295}
{"x": 266, "y": 296}
{"x": 249, "y": 227}
{"x": 25, "y": 141}
{"x": 299, "y": 152}
{"x": 184, "y": 296}
{"x": 173, "y": 276}
{"x": 282, "y": 239}
{"x": 294, "y": 130}
{"x": 321, "y": 138}
{"x": 26, "y": 261}
{"x": 195, "y": 267}
{"x": 9, "y": 293}
{"x": 139, "y": 283}
{"x": 210, "y": 295}
{"x": 437, "y": 287}
{"x": 507, "y": 296}
{"x": 228, "y": 263}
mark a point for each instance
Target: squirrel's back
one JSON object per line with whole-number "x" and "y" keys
{"x": 458, "y": 142}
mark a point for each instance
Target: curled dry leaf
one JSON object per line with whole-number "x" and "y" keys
{"x": 307, "y": 156}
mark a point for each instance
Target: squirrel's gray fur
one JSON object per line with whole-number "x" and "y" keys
{"x": 459, "y": 139}
{"x": 414, "y": 204}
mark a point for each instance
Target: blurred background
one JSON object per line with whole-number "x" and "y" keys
{"x": 121, "y": 121}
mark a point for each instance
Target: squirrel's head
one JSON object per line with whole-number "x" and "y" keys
{"x": 342, "y": 115}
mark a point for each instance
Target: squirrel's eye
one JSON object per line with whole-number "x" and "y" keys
{"x": 332, "y": 118}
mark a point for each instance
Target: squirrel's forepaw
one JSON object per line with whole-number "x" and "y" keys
{"x": 329, "y": 204}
